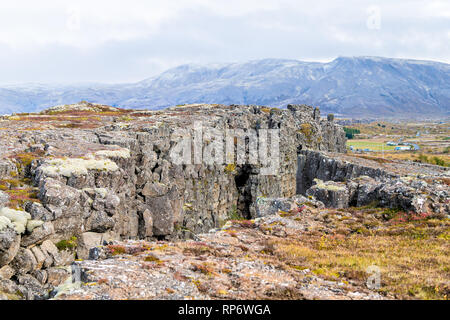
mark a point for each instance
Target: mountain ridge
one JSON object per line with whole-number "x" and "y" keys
{"x": 350, "y": 86}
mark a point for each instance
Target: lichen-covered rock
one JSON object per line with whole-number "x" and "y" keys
{"x": 317, "y": 165}
{"x": 5, "y": 223}
{"x": 33, "y": 224}
{"x": 137, "y": 174}
{"x": 163, "y": 210}
{"x": 76, "y": 167}
{"x": 9, "y": 245}
{"x": 18, "y": 218}
{"x": 86, "y": 242}
{"x": 38, "y": 212}
{"x": 41, "y": 276}
{"x": 119, "y": 180}
{"x": 99, "y": 221}
{"x": 51, "y": 250}
{"x": 10, "y": 290}
{"x": 56, "y": 276}
{"x": 147, "y": 226}
{"x": 270, "y": 206}
{"x": 39, "y": 234}
{"x": 39, "y": 256}
{"x": 332, "y": 194}
{"x": 6, "y": 272}
{"x": 34, "y": 289}
{"x": 24, "y": 261}
{"x": 309, "y": 200}
{"x": 4, "y": 199}
{"x": 358, "y": 183}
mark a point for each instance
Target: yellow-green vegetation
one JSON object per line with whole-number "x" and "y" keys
{"x": 117, "y": 249}
{"x": 205, "y": 268}
{"x": 24, "y": 160}
{"x": 306, "y": 129}
{"x": 19, "y": 197}
{"x": 152, "y": 258}
{"x": 230, "y": 168}
{"x": 6, "y": 184}
{"x": 126, "y": 118}
{"x": 367, "y": 144}
{"x": 233, "y": 214}
{"x": 69, "y": 244}
{"x": 400, "y": 128}
{"x": 440, "y": 161}
{"x": 412, "y": 255}
{"x": 18, "y": 188}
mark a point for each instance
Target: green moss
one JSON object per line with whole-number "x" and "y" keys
{"x": 445, "y": 235}
{"x": 151, "y": 258}
{"x": 307, "y": 130}
{"x": 117, "y": 249}
{"x": 126, "y": 118}
{"x": 19, "y": 197}
{"x": 390, "y": 213}
{"x": 69, "y": 244}
{"x": 233, "y": 214}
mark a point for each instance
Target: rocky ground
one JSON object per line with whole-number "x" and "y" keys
{"x": 237, "y": 262}
{"x": 307, "y": 252}
{"x": 93, "y": 206}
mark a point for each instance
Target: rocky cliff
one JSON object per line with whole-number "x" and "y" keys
{"x": 340, "y": 182}
{"x": 77, "y": 176}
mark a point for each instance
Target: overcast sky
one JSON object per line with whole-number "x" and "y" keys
{"x": 123, "y": 41}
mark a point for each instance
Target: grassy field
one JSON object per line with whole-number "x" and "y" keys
{"x": 369, "y": 144}
{"x": 433, "y": 138}
{"x": 402, "y": 128}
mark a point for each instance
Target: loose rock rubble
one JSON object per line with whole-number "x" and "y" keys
{"x": 234, "y": 262}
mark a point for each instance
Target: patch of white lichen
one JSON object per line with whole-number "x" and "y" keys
{"x": 98, "y": 160}
{"x": 328, "y": 186}
{"x": 76, "y": 166}
{"x": 102, "y": 192}
{"x": 18, "y": 220}
{"x": 118, "y": 153}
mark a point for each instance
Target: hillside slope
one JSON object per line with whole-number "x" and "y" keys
{"x": 356, "y": 86}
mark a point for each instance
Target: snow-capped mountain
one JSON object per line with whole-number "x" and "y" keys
{"x": 350, "y": 86}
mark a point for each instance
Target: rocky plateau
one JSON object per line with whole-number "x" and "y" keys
{"x": 93, "y": 204}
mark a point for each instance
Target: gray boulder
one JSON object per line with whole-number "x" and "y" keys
{"x": 9, "y": 245}
{"x": 86, "y": 242}
{"x": 4, "y": 199}
{"x": 34, "y": 289}
{"x": 38, "y": 235}
{"x": 270, "y": 206}
{"x": 51, "y": 251}
{"x": 24, "y": 261}
{"x": 332, "y": 194}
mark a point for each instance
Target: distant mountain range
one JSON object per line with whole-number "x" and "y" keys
{"x": 348, "y": 86}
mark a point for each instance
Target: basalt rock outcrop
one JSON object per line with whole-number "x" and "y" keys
{"x": 74, "y": 178}
{"x": 341, "y": 184}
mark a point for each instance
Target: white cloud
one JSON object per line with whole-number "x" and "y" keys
{"x": 114, "y": 41}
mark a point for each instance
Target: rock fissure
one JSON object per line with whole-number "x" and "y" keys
{"x": 74, "y": 190}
